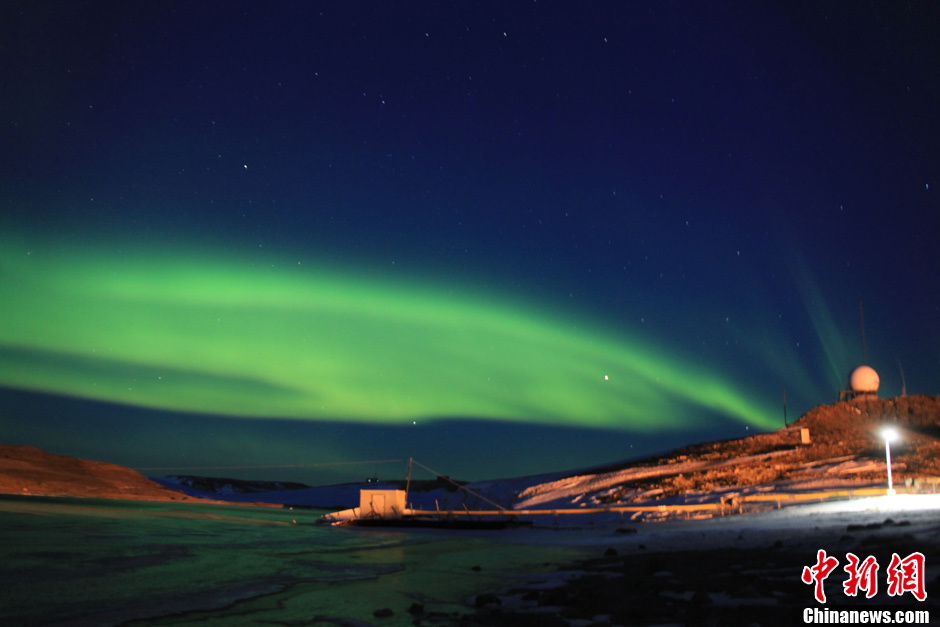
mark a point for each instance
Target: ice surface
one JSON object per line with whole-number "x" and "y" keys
{"x": 90, "y": 562}
{"x": 110, "y": 561}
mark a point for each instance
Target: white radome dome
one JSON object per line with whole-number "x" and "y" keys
{"x": 864, "y": 379}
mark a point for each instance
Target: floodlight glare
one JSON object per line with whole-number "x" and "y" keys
{"x": 889, "y": 435}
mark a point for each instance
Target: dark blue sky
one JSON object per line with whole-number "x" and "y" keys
{"x": 724, "y": 180}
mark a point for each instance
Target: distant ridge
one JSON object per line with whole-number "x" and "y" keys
{"x": 227, "y": 485}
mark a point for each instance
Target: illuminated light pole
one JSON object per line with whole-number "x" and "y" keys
{"x": 889, "y": 435}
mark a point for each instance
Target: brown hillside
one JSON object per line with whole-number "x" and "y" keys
{"x": 29, "y": 470}
{"x": 845, "y": 444}
{"x": 853, "y": 428}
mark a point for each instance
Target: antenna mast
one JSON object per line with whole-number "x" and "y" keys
{"x": 903, "y": 382}
{"x": 861, "y": 320}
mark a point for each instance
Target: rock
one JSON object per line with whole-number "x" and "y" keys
{"x": 748, "y": 591}
{"x": 531, "y": 595}
{"x": 385, "y": 612}
{"x": 486, "y": 599}
{"x": 553, "y": 597}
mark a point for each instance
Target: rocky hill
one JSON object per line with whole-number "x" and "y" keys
{"x": 845, "y": 447}
{"x": 28, "y": 470}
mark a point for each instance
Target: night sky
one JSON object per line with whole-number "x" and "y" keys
{"x": 500, "y": 237}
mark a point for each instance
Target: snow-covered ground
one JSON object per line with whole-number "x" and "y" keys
{"x": 556, "y": 491}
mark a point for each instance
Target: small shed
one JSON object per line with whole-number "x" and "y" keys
{"x": 381, "y": 503}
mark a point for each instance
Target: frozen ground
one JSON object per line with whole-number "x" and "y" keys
{"x": 736, "y": 570}
{"x": 153, "y": 564}
{"x": 557, "y": 491}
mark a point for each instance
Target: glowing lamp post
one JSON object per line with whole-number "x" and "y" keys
{"x": 889, "y": 435}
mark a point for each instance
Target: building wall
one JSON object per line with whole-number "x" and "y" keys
{"x": 381, "y": 503}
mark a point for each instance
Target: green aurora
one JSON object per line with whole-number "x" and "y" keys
{"x": 203, "y": 332}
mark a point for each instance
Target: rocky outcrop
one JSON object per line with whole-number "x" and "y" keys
{"x": 28, "y": 470}
{"x": 844, "y": 441}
